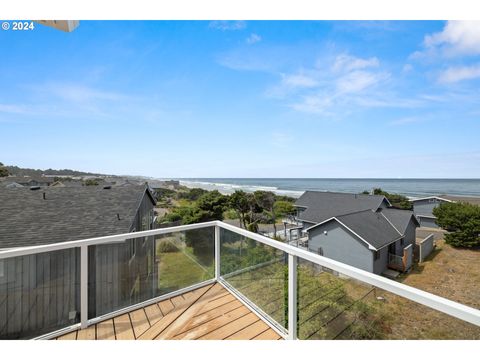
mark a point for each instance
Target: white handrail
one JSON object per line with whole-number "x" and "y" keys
{"x": 441, "y": 304}
{"x": 29, "y": 250}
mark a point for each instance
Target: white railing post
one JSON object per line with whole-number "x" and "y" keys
{"x": 84, "y": 286}
{"x": 217, "y": 252}
{"x": 292, "y": 297}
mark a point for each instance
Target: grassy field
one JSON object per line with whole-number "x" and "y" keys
{"x": 180, "y": 269}
{"x": 448, "y": 272}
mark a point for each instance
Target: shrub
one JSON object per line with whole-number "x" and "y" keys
{"x": 230, "y": 214}
{"x": 463, "y": 220}
{"x": 166, "y": 246}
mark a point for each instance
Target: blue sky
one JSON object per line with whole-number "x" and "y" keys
{"x": 244, "y": 99}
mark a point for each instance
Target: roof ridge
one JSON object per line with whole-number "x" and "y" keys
{"x": 391, "y": 223}
{"x": 355, "y": 212}
{"x": 341, "y": 193}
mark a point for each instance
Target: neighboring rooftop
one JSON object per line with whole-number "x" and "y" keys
{"x": 57, "y": 214}
{"x": 25, "y": 180}
{"x": 441, "y": 198}
{"x": 370, "y": 226}
{"x": 323, "y": 205}
{"x": 399, "y": 218}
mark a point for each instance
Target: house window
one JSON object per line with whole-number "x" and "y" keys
{"x": 320, "y": 251}
{"x": 402, "y": 241}
{"x": 377, "y": 255}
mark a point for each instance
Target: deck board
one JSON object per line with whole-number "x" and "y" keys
{"x": 250, "y": 331}
{"x": 139, "y": 321}
{"x": 87, "y": 334}
{"x": 123, "y": 327}
{"x": 153, "y": 313}
{"x": 231, "y": 328}
{"x": 210, "y": 312}
{"x": 105, "y": 330}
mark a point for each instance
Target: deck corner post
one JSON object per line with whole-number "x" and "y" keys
{"x": 84, "y": 286}
{"x": 217, "y": 253}
{"x": 292, "y": 297}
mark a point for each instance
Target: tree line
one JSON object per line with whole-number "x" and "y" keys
{"x": 251, "y": 209}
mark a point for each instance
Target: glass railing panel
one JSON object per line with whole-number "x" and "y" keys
{"x": 185, "y": 258}
{"x": 139, "y": 269}
{"x": 333, "y": 306}
{"x": 257, "y": 271}
{"x": 39, "y": 293}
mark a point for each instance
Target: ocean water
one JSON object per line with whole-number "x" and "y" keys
{"x": 295, "y": 187}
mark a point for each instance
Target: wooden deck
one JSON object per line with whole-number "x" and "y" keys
{"x": 210, "y": 312}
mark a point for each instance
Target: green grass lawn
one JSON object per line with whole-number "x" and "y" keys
{"x": 177, "y": 270}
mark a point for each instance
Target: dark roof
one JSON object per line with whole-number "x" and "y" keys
{"x": 399, "y": 218}
{"x": 26, "y": 179}
{"x": 370, "y": 226}
{"x": 67, "y": 213}
{"x": 322, "y": 205}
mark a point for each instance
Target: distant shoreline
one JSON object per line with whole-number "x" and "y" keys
{"x": 412, "y": 188}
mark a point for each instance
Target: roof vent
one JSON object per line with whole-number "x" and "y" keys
{"x": 34, "y": 187}
{"x": 107, "y": 187}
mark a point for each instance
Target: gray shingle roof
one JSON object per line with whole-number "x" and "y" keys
{"x": 67, "y": 213}
{"x": 322, "y": 205}
{"x": 399, "y": 218}
{"x": 26, "y": 179}
{"x": 370, "y": 226}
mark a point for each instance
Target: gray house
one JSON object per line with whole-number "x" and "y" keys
{"x": 47, "y": 284}
{"x": 358, "y": 230}
{"x": 423, "y": 209}
{"x": 314, "y": 207}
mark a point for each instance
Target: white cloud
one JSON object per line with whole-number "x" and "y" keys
{"x": 459, "y": 73}
{"x": 80, "y": 93}
{"x": 457, "y": 38}
{"x": 253, "y": 38}
{"x": 227, "y": 25}
{"x": 357, "y": 81}
{"x": 405, "y": 120}
{"x": 463, "y": 36}
{"x": 348, "y": 63}
{"x": 299, "y": 81}
{"x": 314, "y": 104}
